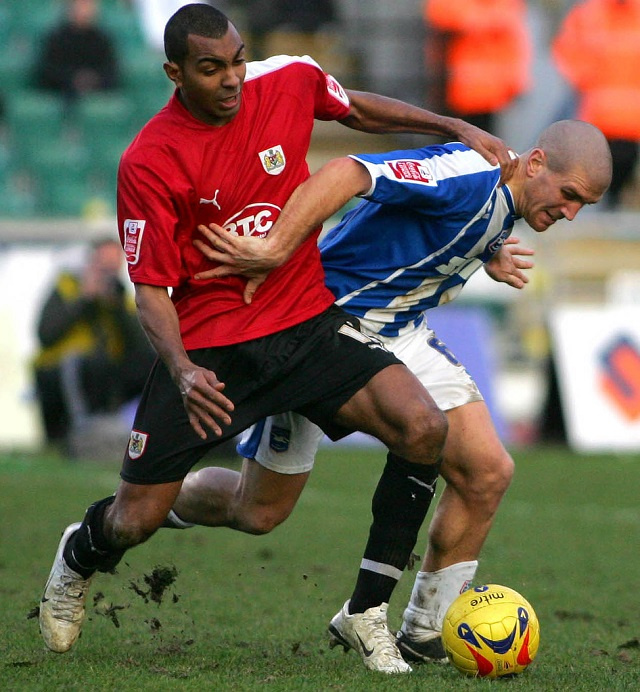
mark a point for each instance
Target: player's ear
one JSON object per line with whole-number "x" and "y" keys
{"x": 173, "y": 71}
{"x": 536, "y": 161}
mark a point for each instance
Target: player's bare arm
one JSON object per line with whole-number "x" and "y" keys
{"x": 380, "y": 114}
{"x": 314, "y": 201}
{"x": 201, "y": 391}
{"x": 507, "y": 264}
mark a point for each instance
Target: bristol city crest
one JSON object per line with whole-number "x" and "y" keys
{"x": 273, "y": 160}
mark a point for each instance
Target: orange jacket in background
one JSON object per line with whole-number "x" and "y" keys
{"x": 597, "y": 49}
{"x": 488, "y": 55}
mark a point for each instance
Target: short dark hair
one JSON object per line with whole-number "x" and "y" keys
{"x": 196, "y": 18}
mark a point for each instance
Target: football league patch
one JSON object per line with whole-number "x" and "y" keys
{"x": 273, "y": 160}
{"x": 413, "y": 171}
{"x": 133, "y": 232}
{"x": 137, "y": 444}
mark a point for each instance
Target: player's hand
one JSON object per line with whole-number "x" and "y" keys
{"x": 245, "y": 255}
{"x": 490, "y": 147}
{"x": 204, "y": 402}
{"x": 507, "y": 264}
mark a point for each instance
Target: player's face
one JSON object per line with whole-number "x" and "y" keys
{"x": 550, "y": 195}
{"x": 210, "y": 79}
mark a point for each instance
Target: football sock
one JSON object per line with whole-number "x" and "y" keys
{"x": 433, "y": 593}
{"x": 88, "y": 551}
{"x": 400, "y": 504}
{"x": 173, "y": 521}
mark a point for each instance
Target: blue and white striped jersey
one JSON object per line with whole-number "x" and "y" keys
{"x": 432, "y": 217}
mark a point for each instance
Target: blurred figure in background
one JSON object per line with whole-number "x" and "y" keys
{"x": 487, "y": 55}
{"x": 94, "y": 356}
{"x": 77, "y": 55}
{"x": 294, "y": 27}
{"x": 597, "y": 49}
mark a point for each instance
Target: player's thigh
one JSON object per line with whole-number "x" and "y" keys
{"x": 390, "y": 404}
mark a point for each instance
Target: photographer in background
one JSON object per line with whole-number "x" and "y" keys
{"x": 94, "y": 356}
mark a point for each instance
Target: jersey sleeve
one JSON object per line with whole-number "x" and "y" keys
{"x": 147, "y": 220}
{"x": 332, "y": 102}
{"x": 429, "y": 179}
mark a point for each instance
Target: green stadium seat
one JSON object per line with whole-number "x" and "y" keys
{"x": 104, "y": 115}
{"x": 35, "y": 119}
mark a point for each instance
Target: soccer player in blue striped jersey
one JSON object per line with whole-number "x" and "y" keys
{"x": 429, "y": 219}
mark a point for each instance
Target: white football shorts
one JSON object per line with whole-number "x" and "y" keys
{"x": 287, "y": 443}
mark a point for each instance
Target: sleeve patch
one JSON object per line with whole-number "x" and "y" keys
{"x": 133, "y": 232}
{"x": 336, "y": 90}
{"x": 412, "y": 171}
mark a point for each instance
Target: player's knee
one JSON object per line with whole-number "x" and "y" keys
{"x": 422, "y": 436}
{"x": 260, "y": 520}
{"x": 487, "y": 482}
{"x": 129, "y": 529}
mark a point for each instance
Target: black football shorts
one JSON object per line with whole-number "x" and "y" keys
{"x": 312, "y": 368}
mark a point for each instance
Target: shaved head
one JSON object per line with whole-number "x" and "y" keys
{"x": 575, "y": 145}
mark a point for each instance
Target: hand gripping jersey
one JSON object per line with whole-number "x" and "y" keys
{"x": 180, "y": 172}
{"x": 432, "y": 217}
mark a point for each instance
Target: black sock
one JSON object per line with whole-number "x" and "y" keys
{"x": 88, "y": 551}
{"x": 400, "y": 504}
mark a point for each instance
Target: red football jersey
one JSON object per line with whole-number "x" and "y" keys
{"x": 180, "y": 172}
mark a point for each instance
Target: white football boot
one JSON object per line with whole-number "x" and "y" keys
{"x": 62, "y": 604}
{"x": 368, "y": 634}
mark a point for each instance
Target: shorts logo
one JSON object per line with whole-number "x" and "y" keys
{"x": 273, "y": 160}
{"x": 133, "y": 232}
{"x": 279, "y": 439}
{"x": 413, "y": 171}
{"x": 137, "y": 444}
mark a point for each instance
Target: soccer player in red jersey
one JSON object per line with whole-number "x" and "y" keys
{"x": 229, "y": 148}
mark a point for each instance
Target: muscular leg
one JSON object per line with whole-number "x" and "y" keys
{"x": 410, "y": 423}
{"x": 478, "y": 471}
{"x": 394, "y": 407}
{"x": 115, "y": 524}
{"x": 254, "y": 501}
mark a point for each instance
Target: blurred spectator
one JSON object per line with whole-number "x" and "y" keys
{"x": 292, "y": 27}
{"x": 487, "y": 55}
{"x": 77, "y": 56}
{"x": 597, "y": 49}
{"x": 94, "y": 356}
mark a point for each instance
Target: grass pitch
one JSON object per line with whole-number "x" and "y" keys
{"x": 213, "y": 609}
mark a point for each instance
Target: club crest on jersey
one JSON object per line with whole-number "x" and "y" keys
{"x": 137, "y": 444}
{"x": 273, "y": 160}
{"x": 413, "y": 171}
{"x": 133, "y": 232}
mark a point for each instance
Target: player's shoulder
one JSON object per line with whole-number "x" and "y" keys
{"x": 281, "y": 65}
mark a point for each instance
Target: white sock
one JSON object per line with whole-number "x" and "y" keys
{"x": 174, "y": 521}
{"x": 433, "y": 593}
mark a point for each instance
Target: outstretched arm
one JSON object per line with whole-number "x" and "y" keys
{"x": 380, "y": 114}
{"x": 507, "y": 265}
{"x": 314, "y": 201}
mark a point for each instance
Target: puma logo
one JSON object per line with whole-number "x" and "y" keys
{"x": 213, "y": 200}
